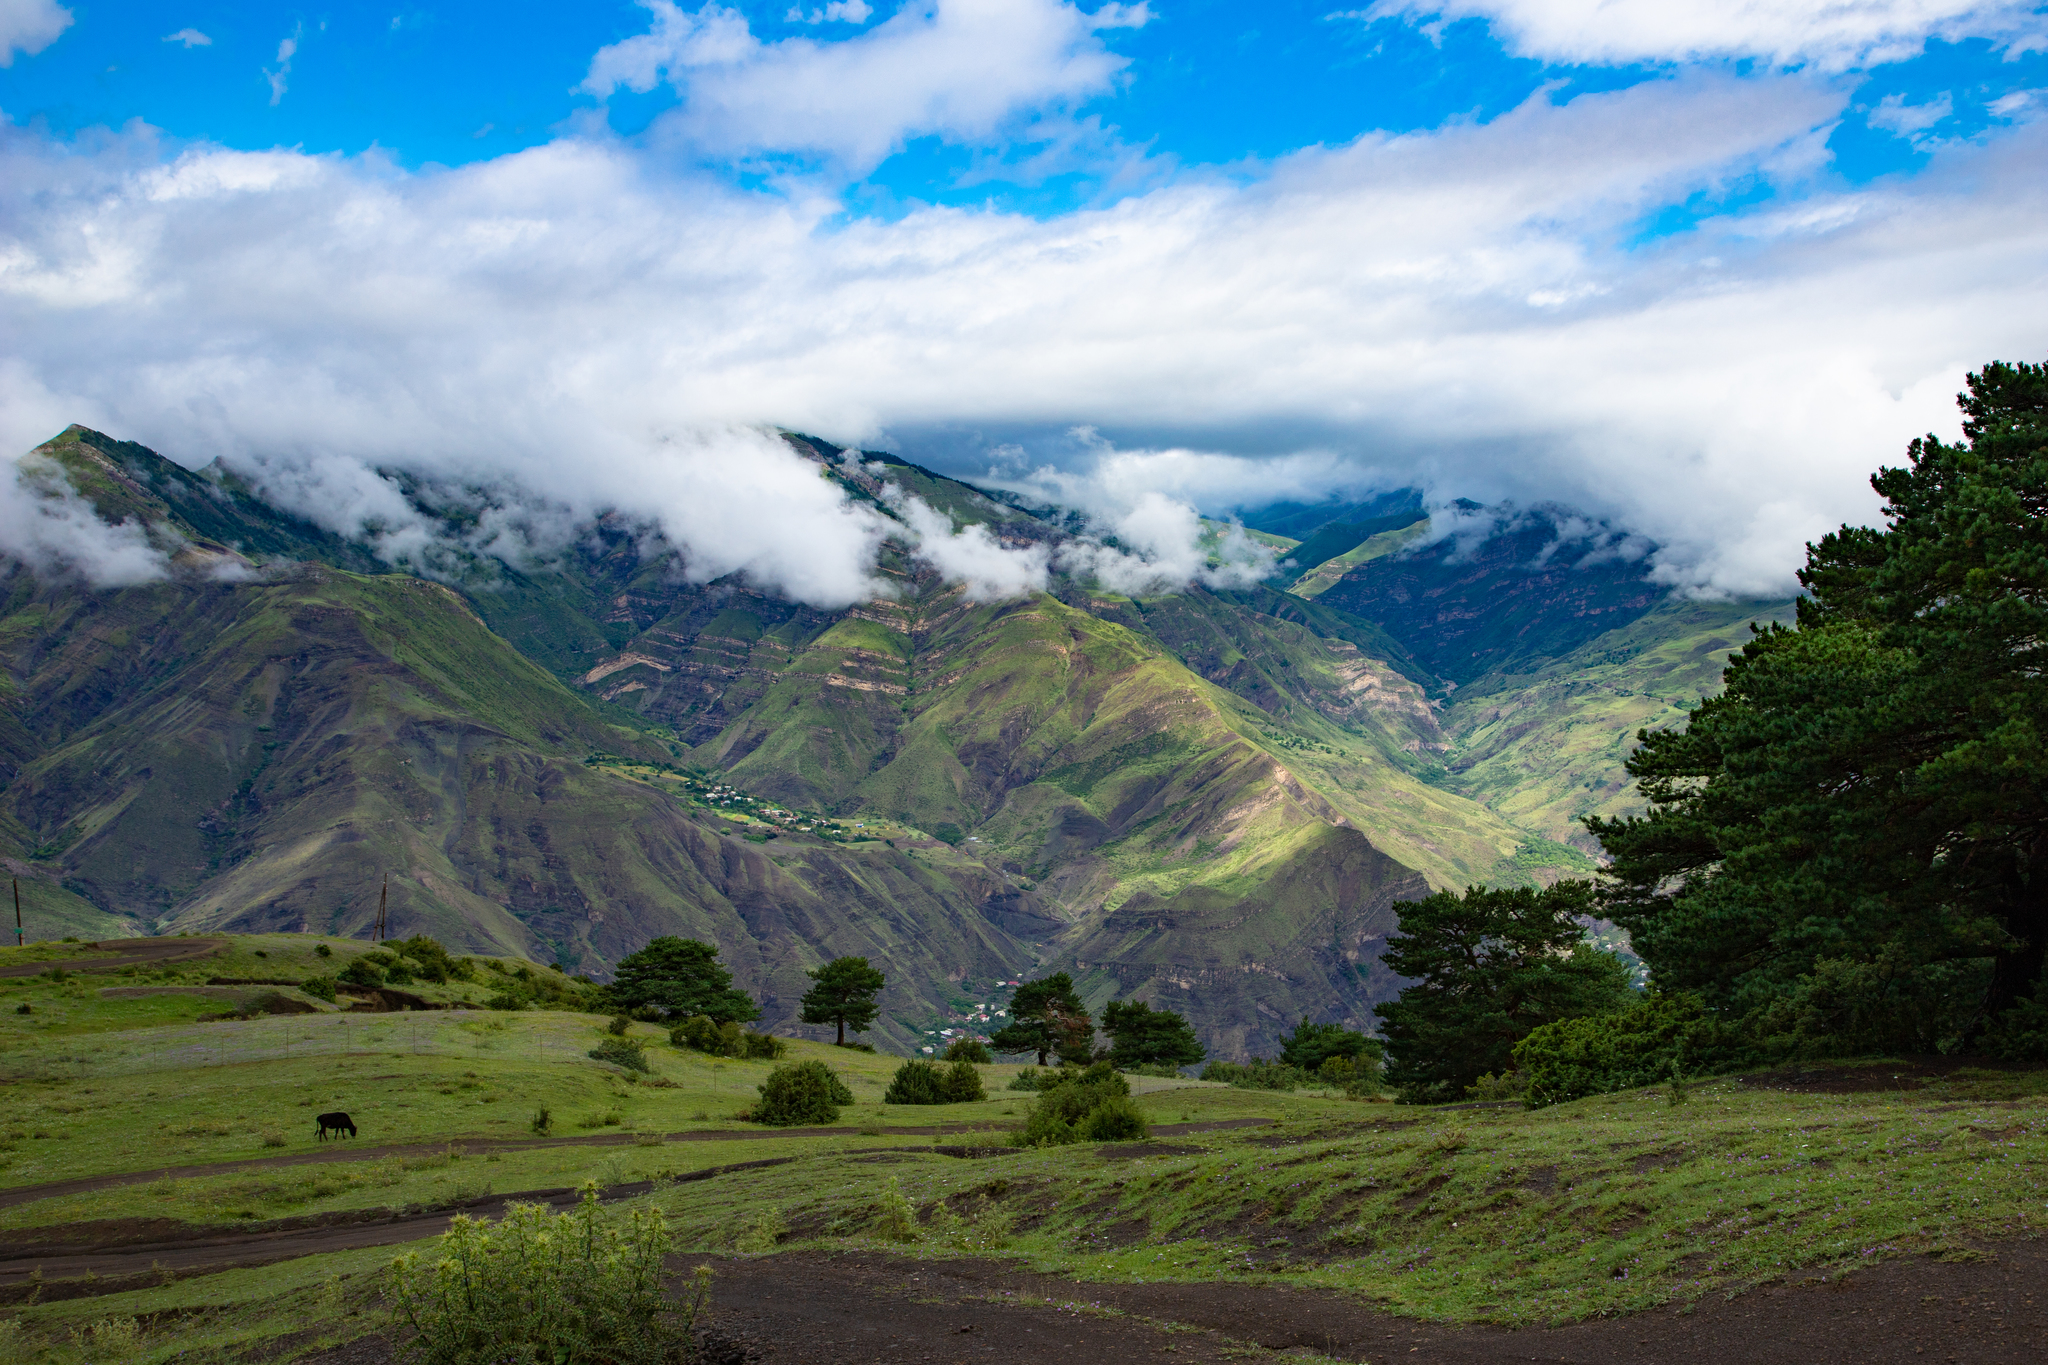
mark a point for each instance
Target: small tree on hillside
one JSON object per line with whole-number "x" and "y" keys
{"x": 1489, "y": 966}
{"x": 844, "y": 995}
{"x": 681, "y": 978}
{"x": 1143, "y": 1036}
{"x": 1046, "y": 1017}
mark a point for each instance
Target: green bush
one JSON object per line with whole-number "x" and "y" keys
{"x": 805, "y": 1093}
{"x": 319, "y": 987}
{"x": 969, "y": 1050}
{"x": 764, "y": 1047}
{"x": 1657, "y": 1038}
{"x": 506, "y": 1000}
{"x": 915, "y": 1082}
{"x": 620, "y": 1025}
{"x": 706, "y": 1034}
{"x": 431, "y": 962}
{"x": 2021, "y": 1033}
{"x": 1065, "y": 1108}
{"x": 539, "y": 1286}
{"x": 626, "y": 1052}
{"x": 323, "y": 950}
{"x": 1115, "y": 1119}
{"x": 1030, "y": 1078}
{"x": 362, "y": 972}
{"x": 921, "y": 1082}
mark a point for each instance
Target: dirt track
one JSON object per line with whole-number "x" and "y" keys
{"x": 815, "y": 1308}
{"x": 125, "y": 952}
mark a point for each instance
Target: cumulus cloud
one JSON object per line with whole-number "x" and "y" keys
{"x": 190, "y": 37}
{"x": 29, "y": 26}
{"x": 1469, "y": 310}
{"x": 957, "y": 69}
{"x": 1833, "y": 36}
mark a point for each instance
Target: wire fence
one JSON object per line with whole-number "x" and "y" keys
{"x": 538, "y": 1038}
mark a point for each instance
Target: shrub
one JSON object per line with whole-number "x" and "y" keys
{"x": 362, "y": 972}
{"x": 804, "y": 1093}
{"x": 626, "y": 1052}
{"x": 399, "y": 974}
{"x": 430, "y": 961}
{"x": 2021, "y": 1033}
{"x": 319, "y": 987}
{"x": 506, "y": 1000}
{"x": 916, "y": 1082}
{"x": 1115, "y": 1119}
{"x": 543, "y": 1121}
{"x": 969, "y": 1050}
{"x": 1030, "y": 1078}
{"x": 706, "y": 1034}
{"x": 1065, "y": 1105}
{"x": 585, "y": 1285}
{"x": 323, "y": 950}
{"x": 764, "y": 1047}
{"x": 962, "y": 1084}
{"x": 620, "y": 1025}
{"x": 1654, "y": 1039}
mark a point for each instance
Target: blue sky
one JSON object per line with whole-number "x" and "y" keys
{"x": 1208, "y": 83}
{"x": 1691, "y": 266}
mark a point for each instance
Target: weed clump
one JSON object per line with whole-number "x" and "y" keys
{"x": 1082, "y": 1106}
{"x": 805, "y": 1093}
{"x": 583, "y": 1285}
{"x": 920, "y": 1082}
{"x": 543, "y": 1121}
{"x": 626, "y": 1052}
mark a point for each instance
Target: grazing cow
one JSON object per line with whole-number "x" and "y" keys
{"x": 337, "y": 1121}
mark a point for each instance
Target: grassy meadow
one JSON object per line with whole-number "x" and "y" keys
{"x": 1469, "y": 1214}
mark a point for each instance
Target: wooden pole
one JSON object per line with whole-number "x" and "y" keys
{"x": 383, "y": 899}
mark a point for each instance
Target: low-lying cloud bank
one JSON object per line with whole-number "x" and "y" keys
{"x": 1475, "y": 310}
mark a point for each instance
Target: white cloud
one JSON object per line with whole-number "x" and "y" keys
{"x": 586, "y": 323}
{"x": 957, "y": 69}
{"x": 190, "y": 37}
{"x": 973, "y": 556}
{"x": 838, "y": 12}
{"x": 48, "y": 526}
{"x": 1896, "y": 116}
{"x": 281, "y": 77}
{"x": 1833, "y": 35}
{"x": 29, "y": 26}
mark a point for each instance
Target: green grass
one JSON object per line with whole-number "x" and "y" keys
{"x": 1610, "y": 1205}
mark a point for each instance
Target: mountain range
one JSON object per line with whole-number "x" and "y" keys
{"x": 1212, "y": 800}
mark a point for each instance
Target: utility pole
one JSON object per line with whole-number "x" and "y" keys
{"x": 383, "y": 899}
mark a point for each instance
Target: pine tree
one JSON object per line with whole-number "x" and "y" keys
{"x": 844, "y": 995}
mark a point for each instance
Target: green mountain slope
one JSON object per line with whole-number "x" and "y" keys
{"x": 1545, "y": 748}
{"x": 1215, "y": 801}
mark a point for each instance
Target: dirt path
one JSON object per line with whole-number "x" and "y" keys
{"x": 117, "y": 953}
{"x": 817, "y": 1308}
{"x": 341, "y": 1149}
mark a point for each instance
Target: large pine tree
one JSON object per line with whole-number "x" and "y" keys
{"x": 1847, "y": 845}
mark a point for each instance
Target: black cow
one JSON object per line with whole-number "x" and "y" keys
{"x": 337, "y": 1121}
